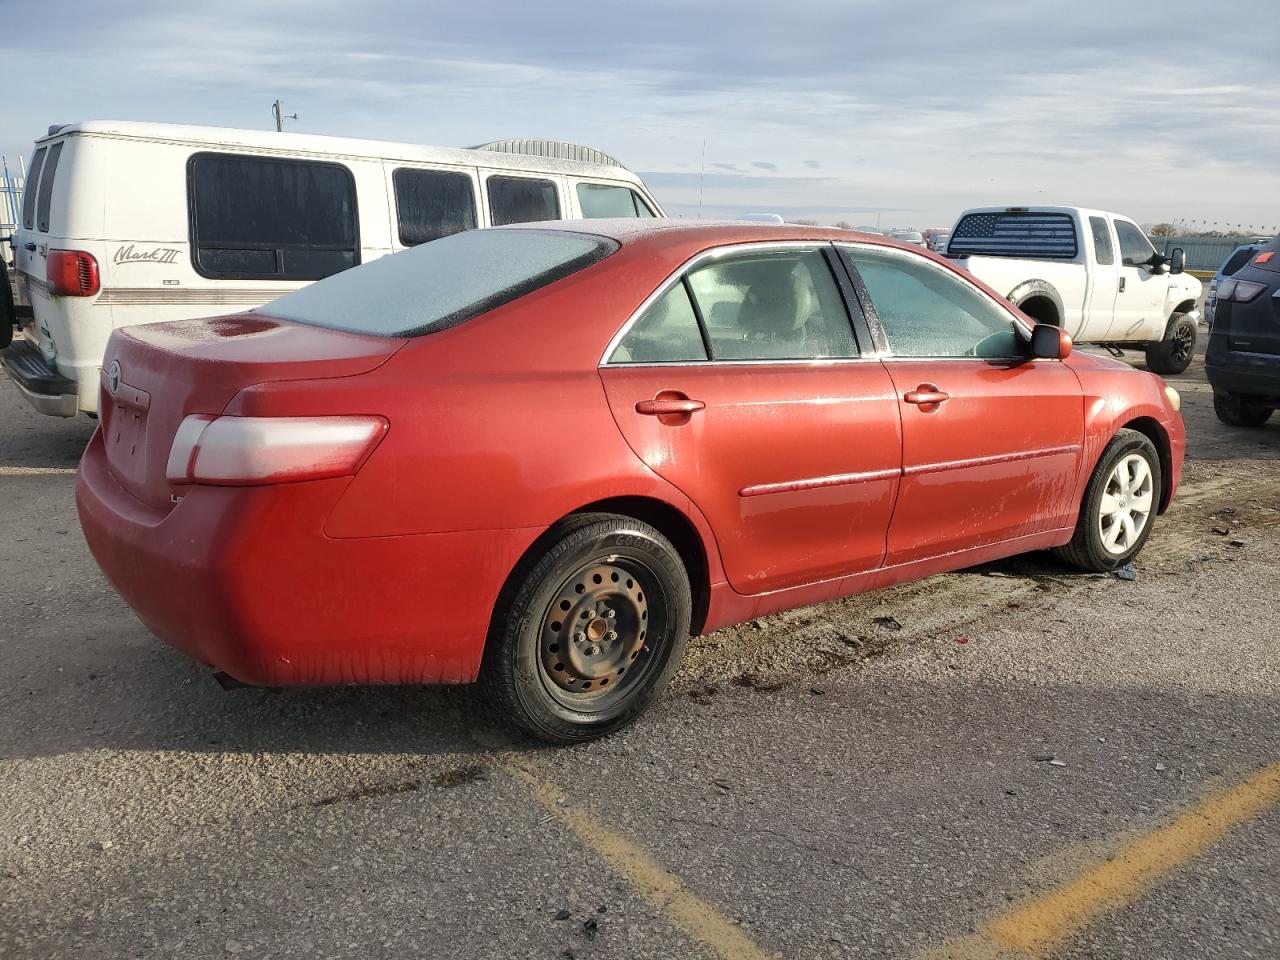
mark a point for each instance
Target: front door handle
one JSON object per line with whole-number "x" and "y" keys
{"x": 926, "y": 393}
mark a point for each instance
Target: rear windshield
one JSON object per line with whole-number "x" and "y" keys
{"x": 30, "y": 188}
{"x": 1238, "y": 259}
{"x": 1272, "y": 262}
{"x": 439, "y": 284}
{"x": 1035, "y": 235}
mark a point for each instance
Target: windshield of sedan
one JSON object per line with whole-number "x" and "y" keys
{"x": 441, "y": 283}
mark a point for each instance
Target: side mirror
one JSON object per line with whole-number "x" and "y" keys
{"x": 1177, "y": 260}
{"x": 1049, "y": 342}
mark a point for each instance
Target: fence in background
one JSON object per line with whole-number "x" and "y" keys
{"x": 11, "y": 184}
{"x": 1203, "y": 253}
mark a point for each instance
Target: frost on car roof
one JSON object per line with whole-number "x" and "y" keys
{"x": 441, "y": 283}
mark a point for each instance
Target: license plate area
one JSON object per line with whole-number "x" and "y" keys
{"x": 125, "y": 430}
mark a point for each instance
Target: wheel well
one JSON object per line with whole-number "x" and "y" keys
{"x": 1155, "y": 433}
{"x": 677, "y": 528}
{"x": 1041, "y": 309}
{"x": 1186, "y": 306}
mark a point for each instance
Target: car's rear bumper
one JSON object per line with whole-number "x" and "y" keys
{"x": 244, "y": 579}
{"x": 1252, "y": 374}
{"x": 45, "y": 389}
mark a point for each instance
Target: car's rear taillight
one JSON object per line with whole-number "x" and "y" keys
{"x": 242, "y": 451}
{"x": 72, "y": 273}
{"x": 1239, "y": 291}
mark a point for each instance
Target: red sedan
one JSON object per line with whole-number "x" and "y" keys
{"x": 544, "y": 456}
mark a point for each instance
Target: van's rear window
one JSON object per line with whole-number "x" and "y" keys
{"x": 44, "y": 199}
{"x": 442, "y": 283}
{"x": 29, "y": 189}
{"x": 1015, "y": 234}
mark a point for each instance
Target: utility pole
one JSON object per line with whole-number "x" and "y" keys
{"x": 277, "y": 110}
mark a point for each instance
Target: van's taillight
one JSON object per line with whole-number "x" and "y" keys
{"x": 236, "y": 451}
{"x": 72, "y": 273}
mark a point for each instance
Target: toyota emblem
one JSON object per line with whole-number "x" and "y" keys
{"x": 113, "y": 376}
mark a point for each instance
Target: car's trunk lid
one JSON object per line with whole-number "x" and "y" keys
{"x": 155, "y": 375}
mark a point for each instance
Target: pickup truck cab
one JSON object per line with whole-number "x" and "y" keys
{"x": 1091, "y": 272}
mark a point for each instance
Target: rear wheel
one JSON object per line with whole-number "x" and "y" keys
{"x": 1237, "y": 411}
{"x": 1119, "y": 505}
{"x": 1173, "y": 354}
{"x": 588, "y": 635}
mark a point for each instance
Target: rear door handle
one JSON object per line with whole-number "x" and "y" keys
{"x": 31, "y": 247}
{"x": 926, "y": 393}
{"x": 1122, "y": 284}
{"x": 670, "y": 407}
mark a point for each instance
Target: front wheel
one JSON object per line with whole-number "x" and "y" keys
{"x": 1119, "y": 505}
{"x": 1173, "y": 354}
{"x": 1237, "y": 411}
{"x": 588, "y": 635}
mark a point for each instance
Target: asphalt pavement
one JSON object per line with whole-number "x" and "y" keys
{"x": 1016, "y": 760}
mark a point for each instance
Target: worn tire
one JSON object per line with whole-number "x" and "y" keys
{"x": 1173, "y": 353}
{"x": 1238, "y": 411}
{"x": 1086, "y": 549}
{"x": 517, "y": 680}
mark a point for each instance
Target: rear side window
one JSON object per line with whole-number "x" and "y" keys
{"x": 775, "y": 305}
{"x": 667, "y": 332}
{"x": 522, "y": 200}
{"x": 606, "y": 200}
{"x": 1016, "y": 234}
{"x": 431, "y": 204}
{"x": 30, "y": 188}
{"x": 45, "y": 198}
{"x": 437, "y": 285}
{"x": 1237, "y": 260}
{"x": 1103, "y": 252}
{"x": 257, "y": 218}
{"x": 1135, "y": 248}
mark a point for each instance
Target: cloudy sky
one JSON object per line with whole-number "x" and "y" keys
{"x": 874, "y": 111}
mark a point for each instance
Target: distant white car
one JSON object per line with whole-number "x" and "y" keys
{"x": 938, "y": 242}
{"x": 908, "y": 236}
{"x": 1093, "y": 273}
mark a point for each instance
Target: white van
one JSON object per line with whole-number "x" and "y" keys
{"x": 126, "y": 223}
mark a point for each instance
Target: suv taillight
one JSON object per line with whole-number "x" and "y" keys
{"x": 72, "y": 273}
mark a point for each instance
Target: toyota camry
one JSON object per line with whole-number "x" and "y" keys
{"x": 543, "y": 456}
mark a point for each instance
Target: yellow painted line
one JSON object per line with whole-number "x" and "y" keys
{"x": 1039, "y": 926}
{"x": 682, "y": 908}
{"x": 34, "y": 471}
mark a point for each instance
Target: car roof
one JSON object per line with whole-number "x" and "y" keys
{"x": 708, "y": 232}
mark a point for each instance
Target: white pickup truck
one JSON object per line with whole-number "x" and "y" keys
{"x": 1091, "y": 272}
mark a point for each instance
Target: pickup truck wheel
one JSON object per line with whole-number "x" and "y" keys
{"x": 588, "y": 634}
{"x": 1237, "y": 411}
{"x": 1119, "y": 507}
{"x": 1173, "y": 354}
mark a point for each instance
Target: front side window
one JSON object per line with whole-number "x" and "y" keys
{"x": 1135, "y": 248}
{"x": 927, "y": 312}
{"x": 1103, "y": 252}
{"x": 667, "y": 332}
{"x": 607, "y": 200}
{"x": 772, "y": 305}
{"x": 522, "y": 200}
{"x": 268, "y": 219}
{"x": 431, "y": 204}
{"x": 44, "y": 200}
{"x": 29, "y": 189}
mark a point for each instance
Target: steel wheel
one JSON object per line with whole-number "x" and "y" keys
{"x": 592, "y": 650}
{"x": 1125, "y": 506}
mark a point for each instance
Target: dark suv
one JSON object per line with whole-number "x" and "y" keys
{"x": 1243, "y": 356}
